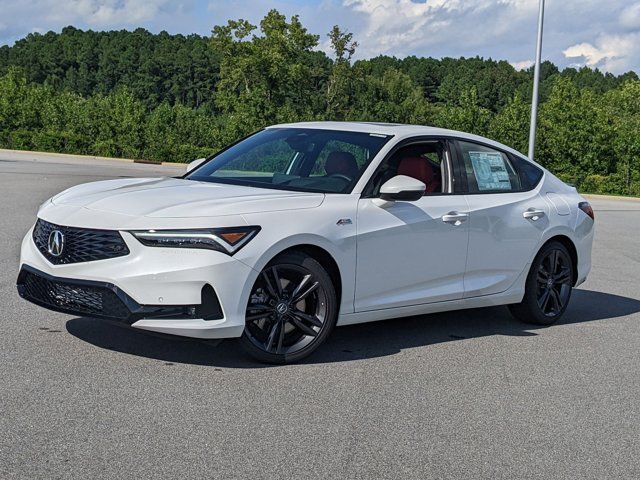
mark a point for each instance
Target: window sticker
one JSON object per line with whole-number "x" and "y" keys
{"x": 490, "y": 170}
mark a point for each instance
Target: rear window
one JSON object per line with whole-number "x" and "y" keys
{"x": 530, "y": 175}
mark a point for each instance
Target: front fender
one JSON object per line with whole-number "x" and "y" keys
{"x": 319, "y": 227}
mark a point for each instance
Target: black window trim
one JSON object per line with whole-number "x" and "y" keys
{"x": 453, "y": 169}
{"x": 510, "y": 156}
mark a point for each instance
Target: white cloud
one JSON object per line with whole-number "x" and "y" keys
{"x": 502, "y": 29}
{"x": 522, "y": 65}
{"x": 616, "y": 51}
{"x": 100, "y": 13}
{"x": 612, "y": 53}
{"x": 591, "y": 54}
{"x": 42, "y": 15}
{"x": 401, "y": 26}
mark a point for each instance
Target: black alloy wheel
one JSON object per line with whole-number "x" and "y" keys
{"x": 554, "y": 282}
{"x": 292, "y": 308}
{"x": 548, "y": 286}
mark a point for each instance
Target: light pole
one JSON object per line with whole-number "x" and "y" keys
{"x": 536, "y": 83}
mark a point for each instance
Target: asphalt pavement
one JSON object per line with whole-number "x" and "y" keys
{"x": 465, "y": 395}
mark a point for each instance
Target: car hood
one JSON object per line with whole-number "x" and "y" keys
{"x": 174, "y": 197}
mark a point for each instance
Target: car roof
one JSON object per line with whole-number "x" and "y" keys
{"x": 367, "y": 127}
{"x": 396, "y": 129}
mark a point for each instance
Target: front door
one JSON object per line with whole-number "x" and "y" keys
{"x": 411, "y": 253}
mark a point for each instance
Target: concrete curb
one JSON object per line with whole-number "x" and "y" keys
{"x": 610, "y": 197}
{"x": 173, "y": 164}
{"x": 73, "y": 155}
{"x": 92, "y": 157}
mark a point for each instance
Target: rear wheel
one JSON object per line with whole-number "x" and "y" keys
{"x": 292, "y": 309}
{"x": 548, "y": 287}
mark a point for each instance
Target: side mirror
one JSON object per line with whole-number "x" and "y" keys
{"x": 194, "y": 164}
{"x": 401, "y": 188}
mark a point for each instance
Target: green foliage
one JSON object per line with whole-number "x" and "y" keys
{"x": 268, "y": 78}
{"x": 154, "y": 68}
{"x": 464, "y": 114}
{"x": 574, "y": 135}
{"x": 511, "y": 125}
{"x": 622, "y": 116}
{"x": 340, "y": 84}
{"x": 175, "y": 98}
{"x": 392, "y": 98}
{"x": 37, "y": 117}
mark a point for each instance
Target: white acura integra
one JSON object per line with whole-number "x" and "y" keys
{"x": 300, "y": 227}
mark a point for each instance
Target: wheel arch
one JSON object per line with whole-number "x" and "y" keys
{"x": 324, "y": 258}
{"x": 571, "y": 247}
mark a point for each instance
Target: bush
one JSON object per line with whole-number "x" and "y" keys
{"x": 188, "y": 153}
{"x": 595, "y": 184}
{"x": 105, "y": 148}
{"x": 20, "y": 140}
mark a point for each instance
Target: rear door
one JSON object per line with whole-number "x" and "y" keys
{"x": 507, "y": 218}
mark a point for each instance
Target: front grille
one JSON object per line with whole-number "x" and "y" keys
{"x": 80, "y": 244}
{"x": 72, "y": 297}
{"x": 105, "y": 300}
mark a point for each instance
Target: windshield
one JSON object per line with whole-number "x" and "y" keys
{"x": 309, "y": 160}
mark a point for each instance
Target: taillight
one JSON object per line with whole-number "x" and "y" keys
{"x": 586, "y": 208}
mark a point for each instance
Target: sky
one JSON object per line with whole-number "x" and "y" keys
{"x": 602, "y": 34}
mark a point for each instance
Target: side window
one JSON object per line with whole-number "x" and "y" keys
{"x": 422, "y": 161}
{"x": 488, "y": 170}
{"x": 530, "y": 175}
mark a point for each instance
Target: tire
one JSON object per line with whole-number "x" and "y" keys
{"x": 292, "y": 309}
{"x": 548, "y": 286}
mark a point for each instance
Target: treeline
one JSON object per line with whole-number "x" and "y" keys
{"x": 175, "y": 98}
{"x": 155, "y": 68}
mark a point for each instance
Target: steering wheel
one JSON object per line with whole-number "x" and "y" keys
{"x": 341, "y": 177}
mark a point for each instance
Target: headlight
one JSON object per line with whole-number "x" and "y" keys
{"x": 227, "y": 240}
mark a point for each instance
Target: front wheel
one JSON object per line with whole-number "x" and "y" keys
{"x": 548, "y": 287}
{"x": 292, "y": 309}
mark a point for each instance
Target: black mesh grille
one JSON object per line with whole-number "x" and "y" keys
{"x": 70, "y": 297}
{"x": 80, "y": 244}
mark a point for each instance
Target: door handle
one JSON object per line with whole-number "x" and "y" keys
{"x": 533, "y": 214}
{"x": 455, "y": 218}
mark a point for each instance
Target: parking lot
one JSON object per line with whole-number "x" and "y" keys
{"x": 471, "y": 394}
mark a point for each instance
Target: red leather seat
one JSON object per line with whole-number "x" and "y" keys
{"x": 420, "y": 169}
{"x": 341, "y": 163}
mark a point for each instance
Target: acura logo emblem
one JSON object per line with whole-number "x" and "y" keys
{"x": 55, "y": 246}
{"x": 282, "y": 308}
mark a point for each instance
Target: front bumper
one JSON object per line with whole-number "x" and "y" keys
{"x": 193, "y": 293}
{"x": 105, "y": 300}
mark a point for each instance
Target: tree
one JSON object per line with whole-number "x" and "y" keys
{"x": 268, "y": 78}
{"x": 511, "y": 125}
{"x": 573, "y": 137}
{"x": 622, "y": 110}
{"x": 392, "y": 98}
{"x": 340, "y": 83}
{"x": 154, "y": 67}
{"x": 466, "y": 114}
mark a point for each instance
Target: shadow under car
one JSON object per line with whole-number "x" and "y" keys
{"x": 353, "y": 342}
